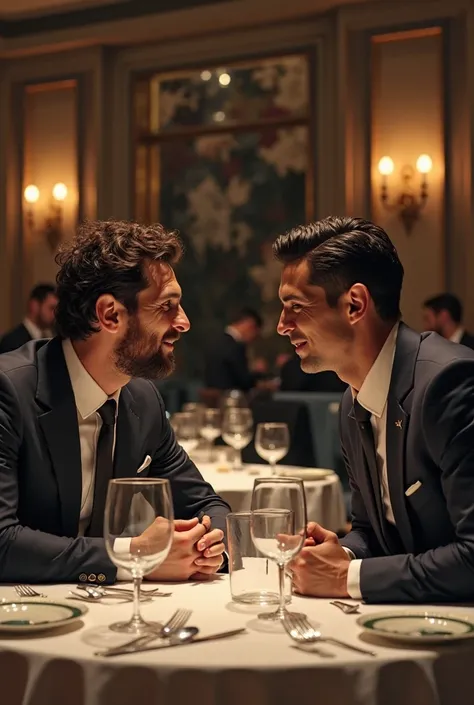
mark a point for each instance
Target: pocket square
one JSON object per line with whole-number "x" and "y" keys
{"x": 413, "y": 488}
{"x": 145, "y": 464}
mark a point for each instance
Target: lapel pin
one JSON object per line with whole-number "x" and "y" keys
{"x": 398, "y": 423}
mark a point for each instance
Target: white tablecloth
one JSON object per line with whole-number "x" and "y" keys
{"x": 260, "y": 667}
{"x": 324, "y": 498}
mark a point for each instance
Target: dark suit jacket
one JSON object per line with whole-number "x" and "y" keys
{"x": 430, "y": 439}
{"x": 40, "y": 467}
{"x": 467, "y": 340}
{"x": 226, "y": 365}
{"x": 14, "y": 339}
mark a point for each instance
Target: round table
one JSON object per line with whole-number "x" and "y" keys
{"x": 324, "y": 497}
{"x": 259, "y": 667}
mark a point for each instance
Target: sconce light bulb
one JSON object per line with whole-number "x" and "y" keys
{"x": 224, "y": 79}
{"x": 424, "y": 164}
{"x": 386, "y": 166}
{"x": 59, "y": 192}
{"x": 31, "y": 193}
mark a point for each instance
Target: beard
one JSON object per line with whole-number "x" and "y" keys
{"x": 140, "y": 354}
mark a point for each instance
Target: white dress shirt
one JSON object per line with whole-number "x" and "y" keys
{"x": 35, "y": 332}
{"x": 373, "y": 396}
{"x": 457, "y": 335}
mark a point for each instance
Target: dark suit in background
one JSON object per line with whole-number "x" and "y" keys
{"x": 226, "y": 365}
{"x": 14, "y": 339}
{"x": 293, "y": 379}
{"x": 467, "y": 340}
{"x": 429, "y": 556}
{"x": 40, "y": 467}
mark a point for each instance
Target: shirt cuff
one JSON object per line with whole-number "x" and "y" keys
{"x": 123, "y": 546}
{"x": 353, "y": 579}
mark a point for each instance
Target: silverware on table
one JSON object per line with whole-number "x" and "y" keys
{"x": 301, "y": 631}
{"x": 171, "y": 643}
{"x": 97, "y": 592}
{"x": 345, "y": 607}
{"x": 154, "y": 592}
{"x": 27, "y": 591}
{"x": 176, "y": 622}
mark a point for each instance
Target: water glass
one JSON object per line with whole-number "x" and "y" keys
{"x": 237, "y": 431}
{"x": 272, "y": 442}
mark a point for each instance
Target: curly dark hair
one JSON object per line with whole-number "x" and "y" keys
{"x": 107, "y": 257}
{"x": 341, "y": 251}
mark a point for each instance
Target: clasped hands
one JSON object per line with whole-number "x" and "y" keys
{"x": 320, "y": 569}
{"x": 196, "y": 551}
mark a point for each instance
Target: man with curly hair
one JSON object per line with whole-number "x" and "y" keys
{"x": 80, "y": 409}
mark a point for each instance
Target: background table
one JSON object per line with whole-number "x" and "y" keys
{"x": 324, "y": 498}
{"x": 256, "y": 668}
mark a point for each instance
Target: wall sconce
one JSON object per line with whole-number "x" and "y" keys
{"x": 52, "y": 229}
{"x": 407, "y": 204}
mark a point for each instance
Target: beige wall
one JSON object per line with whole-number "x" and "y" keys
{"x": 371, "y": 98}
{"x": 407, "y": 120}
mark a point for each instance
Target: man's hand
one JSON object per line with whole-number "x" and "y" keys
{"x": 211, "y": 548}
{"x": 321, "y": 568}
{"x": 180, "y": 562}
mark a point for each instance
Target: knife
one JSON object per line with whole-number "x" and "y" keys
{"x": 210, "y": 637}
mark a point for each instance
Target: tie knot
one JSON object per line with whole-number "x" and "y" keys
{"x": 361, "y": 414}
{"x": 107, "y": 412}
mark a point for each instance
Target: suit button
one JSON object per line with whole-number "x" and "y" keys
{"x": 92, "y": 578}
{"x": 101, "y": 577}
{"x": 83, "y": 578}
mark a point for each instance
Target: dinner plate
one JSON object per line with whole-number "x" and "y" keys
{"x": 418, "y": 626}
{"x": 306, "y": 474}
{"x": 24, "y": 616}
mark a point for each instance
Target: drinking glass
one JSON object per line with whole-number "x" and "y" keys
{"x": 138, "y": 531}
{"x": 210, "y": 429}
{"x": 278, "y": 526}
{"x": 272, "y": 442}
{"x": 237, "y": 431}
{"x": 186, "y": 428}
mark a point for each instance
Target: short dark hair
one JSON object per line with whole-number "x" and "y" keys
{"x": 247, "y": 312}
{"x": 40, "y": 292}
{"x": 446, "y": 302}
{"x": 107, "y": 257}
{"x": 342, "y": 251}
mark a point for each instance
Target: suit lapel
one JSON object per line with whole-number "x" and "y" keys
{"x": 127, "y": 442}
{"x": 61, "y": 432}
{"x": 398, "y": 418}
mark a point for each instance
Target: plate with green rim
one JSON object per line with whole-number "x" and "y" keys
{"x": 24, "y": 616}
{"x": 418, "y": 626}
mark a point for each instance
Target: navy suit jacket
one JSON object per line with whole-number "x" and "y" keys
{"x": 430, "y": 439}
{"x": 227, "y": 367}
{"x": 14, "y": 339}
{"x": 41, "y": 474}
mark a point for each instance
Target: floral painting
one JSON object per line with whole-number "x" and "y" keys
{"x": 233, "y": 159}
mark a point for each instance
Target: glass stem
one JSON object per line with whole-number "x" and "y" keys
{"x": 136, "y": 618}
{"x": 281, "y": 582}
{"x": 238, "y": 460}
{"x": 272, "y": 468}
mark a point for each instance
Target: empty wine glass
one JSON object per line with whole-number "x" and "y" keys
{"x": 186, "y": 428}
{"x": 278, "y": 526}
{"x": 272, "y": 442}
{"x": 138, "y": 531}
{"x": 237, "y": 431}
{"x": 210, "y": 429}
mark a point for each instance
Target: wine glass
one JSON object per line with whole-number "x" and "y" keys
{"x": 272, "y": 442}
{"x": 185, "y": 425}
{"x": 237, "y": 431}
{"x": 278, "y": 526}
{"x": 210, "y": 428}
{"x": 138, "y": 531}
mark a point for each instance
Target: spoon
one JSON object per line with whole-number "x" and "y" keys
{"x": 182, "y": 636}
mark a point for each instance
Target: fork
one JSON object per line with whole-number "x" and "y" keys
{"x": 345, "y": 607}
{"x": 27, "y": 591}
{"x": 301, "y": 630}
{"x": 174, "y": 624}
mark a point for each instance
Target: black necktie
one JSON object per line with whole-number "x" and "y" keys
{"x": 367, "y": 437}
{"x": 103, "y": 466}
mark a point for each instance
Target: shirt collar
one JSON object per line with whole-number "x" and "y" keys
{"x": 87, "y": 393}
{"x": 457, "y": 335}
{"x": 234, "y": 333}
{"x": 35, "y": 332}
{"x": 373, "y": 393}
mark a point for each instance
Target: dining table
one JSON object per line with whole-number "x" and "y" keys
{"x": 324, "y": 495}
{"x": 261, "y": 666}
